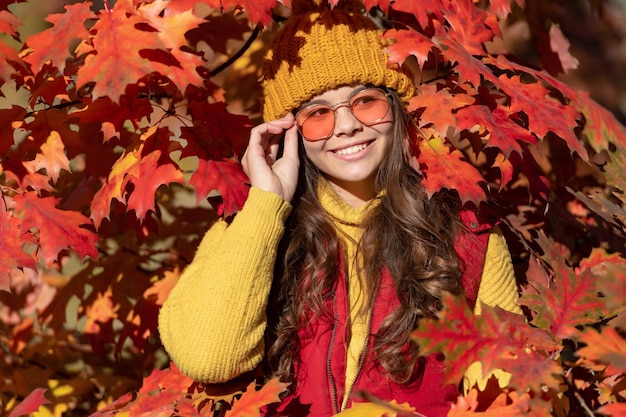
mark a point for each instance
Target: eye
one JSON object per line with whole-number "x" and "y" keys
{"x": 367, "y": 98}
{"x": 316, "y": 112}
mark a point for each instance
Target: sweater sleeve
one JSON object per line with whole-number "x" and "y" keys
{"x": 213, "y": 321}
{"x": 497, "y": 288}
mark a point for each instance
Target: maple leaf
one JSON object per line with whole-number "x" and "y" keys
{"x": 506, "y": 169}
{"x": 441, "y": 166}
{"x": 602, "y": 127}
{"x": 52, "y": 44}
{"x": 172, "y": 29}
{"x": 12, "y": 254}
{"x": 505, "y": 405}
{"x": 250, "y": 403}
{"x": 408, "y": 42}
{"x": 438, "y": 107}
{"x": 31, "y": 403}
{"x": 58, "y": 229}
{"x": 606, "y": 347}
{"x": 115, "y": 61}
{"x": 465, "y": 338}
{"x": 504, "y": 133}
{"x": 52, "y": 157}
{"x": 545, "y": 114}
{"x": 147, "y": 176}
{"x": 469, "y": 26}
{"x": 9, "y": 23}
{"x": 467, "y": 66}
{"x": 225, "y": 176}
{"x": 571, "y": 299}
{"x": 420, "y": 9}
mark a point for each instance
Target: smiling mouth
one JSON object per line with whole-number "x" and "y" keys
{"x": 352, "y": 149}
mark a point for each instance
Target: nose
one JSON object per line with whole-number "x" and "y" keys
{"x": 345, "y": 122}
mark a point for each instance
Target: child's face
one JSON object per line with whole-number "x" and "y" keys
{"x": 352, "y": 154}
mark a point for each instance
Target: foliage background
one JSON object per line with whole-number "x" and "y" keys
{"x": 118, "y": 136}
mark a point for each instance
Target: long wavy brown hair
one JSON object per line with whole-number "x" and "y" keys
{"x": 409, "y": 234}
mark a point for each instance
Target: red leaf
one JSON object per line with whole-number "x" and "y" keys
{"x": 496, "y": 338}
{"x": 470, "y": 26}
{"x": 225, "y": 176}
{"x": 11, "y": 253}
{"x": 606, "y": 347}
{"x": 52, "y": 44}
{"x": 420, "y": 9}
{"x": 147, "y": 176}
{"x": 408, "y": 42}
{"x": 438, "y": 108}
{"x": 560, "y": 45}
{"x": 31, "y": 403}
{"x": 570, "y": 300}
{"x": 8, "y": 54}
{"x": 545, "y": 114}
{"x": 250, "y": 403}
{"x": 442, "y": 165}
{"x": 468, "y": 67}
{"x": 117, "y": 61}
{"x": 504, "y": 133}
{"x": 58, "y": 229}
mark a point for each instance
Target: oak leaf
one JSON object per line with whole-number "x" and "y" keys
{"x": 12, "y": 254}
{"x": 421, "y": 10}
{"x": 114, "y": 61}
{"x": 250, "y": 403}
{"x": 53, "y": 44}
{"x": 52, "y": 158}
{"x": 606, "y": 347}
{"x": 470, "y": 26}
{"x": 58, "y": 229}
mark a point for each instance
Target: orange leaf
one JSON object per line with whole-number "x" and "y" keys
{"x": 58, "y": 229}
{"x": 605, "y": 347}
{"x": 445, "y": 168}
{"x": 52, "y": 44}
{"x": 52, "y": 157}
{"x": 250, "y": 403}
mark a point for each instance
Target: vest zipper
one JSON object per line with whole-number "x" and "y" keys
{"x": 333, "y": 385}
{"x": 361, "y": 361}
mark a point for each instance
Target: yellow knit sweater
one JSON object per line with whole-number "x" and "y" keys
{"x": 212, "y": 323}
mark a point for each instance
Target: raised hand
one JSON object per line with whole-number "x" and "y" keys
{"x": 260, "y": 161}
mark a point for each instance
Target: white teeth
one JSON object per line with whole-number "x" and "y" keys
{"x": 351, "y": 149}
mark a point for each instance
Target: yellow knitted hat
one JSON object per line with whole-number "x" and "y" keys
{"x": 321, "y": 49}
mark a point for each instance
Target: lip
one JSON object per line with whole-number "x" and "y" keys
{"x": 355, "y": 155}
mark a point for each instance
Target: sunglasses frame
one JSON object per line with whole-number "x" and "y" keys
{"x": 341, "y": 104}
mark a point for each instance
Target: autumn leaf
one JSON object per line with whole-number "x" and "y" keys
{"x": 441, "y": 165}
{"x": 560, "y": 45}
{"x": 58, "y": 229}
{"x": 31, "y": 403}
{"x": 545, "y": 114}
{"x": 161, "y": 288}
{"x": 420, "y": 10}
{"x": 568, "y": 302}
{"x": 52, "y": 44}
{"x": 379, "y": 409}
{"x": 408, "y": 42}
{"x": 504, "y": 133}
{"x": 114, "y": 62}
{"x": 12, "y": 254}
{"x": 250, "y": 403}
{"x": 225, "y": 176}
{"x": 606, "y": 347}
{"x": 470, "y": 26}
{"x": 439, "y": 107}
{"x": 52, "y": 157}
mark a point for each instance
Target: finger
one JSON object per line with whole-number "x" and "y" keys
{"x": 290, "y": 149}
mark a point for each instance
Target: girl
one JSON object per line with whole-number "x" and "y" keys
{"x": 338, "y": 252}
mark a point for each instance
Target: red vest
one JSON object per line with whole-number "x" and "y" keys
{"x": 321, "y": 368}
